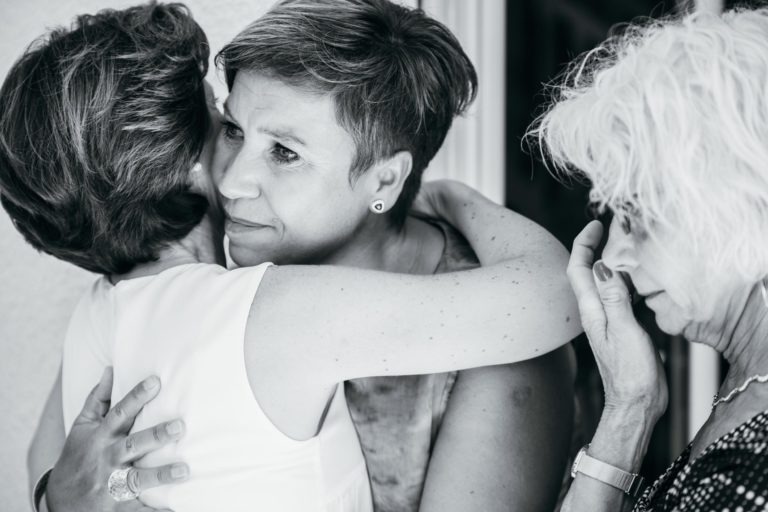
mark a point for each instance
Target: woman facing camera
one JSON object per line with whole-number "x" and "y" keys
{"x": 105, "y": 143}
{"x": 669, "y": 123}
{"x": 336, "y": 108}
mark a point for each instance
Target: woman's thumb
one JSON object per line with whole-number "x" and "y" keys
{"x": 613, "y": 294}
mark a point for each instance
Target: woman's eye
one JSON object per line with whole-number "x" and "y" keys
{"x": 232, "y": 132}
{"x": 626, "y": 224}
{"x": 283, "y": 155}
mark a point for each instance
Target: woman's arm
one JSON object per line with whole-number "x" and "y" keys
{"x": 48, "y": 439}
{"x": 633, "y": 378}
{"x": 347, "y": 323}
{"x": 495, "y": 233}
{"x": 508, "y": 427}
{"x": 621, "y": 440}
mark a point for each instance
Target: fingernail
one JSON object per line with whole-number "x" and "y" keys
{"x": 174, "y": 427}
{"x": 179, "y": 471}
{"x": 151, "y": 383}
{"x": 602, "y": 272}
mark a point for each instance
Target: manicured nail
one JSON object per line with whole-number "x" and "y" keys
{"x": 151, "y": 383}
{"x": 179, "y": 471}
{"x": 602, "y": 272}
{"x": 174, "y": 427}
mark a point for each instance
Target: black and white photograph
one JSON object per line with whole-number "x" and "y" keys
{"x": 384, "y": 256}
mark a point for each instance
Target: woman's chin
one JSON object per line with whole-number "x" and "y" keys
{"x": 244, "y": 256}
{"x": 671, "y": 325}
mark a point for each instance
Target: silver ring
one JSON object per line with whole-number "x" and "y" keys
{"x": 119, "y": 485}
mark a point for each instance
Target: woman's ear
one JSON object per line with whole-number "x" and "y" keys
{"x": 386, "y": 180}
{"x": 200, "y": 182}
{"x": 198, "y": 179}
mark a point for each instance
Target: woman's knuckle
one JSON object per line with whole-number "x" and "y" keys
{"x": 118, "y": 412}
{"x": 613, "y": 297}
{"x": 130, "y": 444}
{"x": 157, "y": 433}
{"x": 136, "y": 480}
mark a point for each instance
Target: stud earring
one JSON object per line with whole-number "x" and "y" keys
{"x": 377, "y": 206}
{"x": 197, "y": 167}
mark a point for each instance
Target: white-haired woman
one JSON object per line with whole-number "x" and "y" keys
{"x": 669, "y": 123}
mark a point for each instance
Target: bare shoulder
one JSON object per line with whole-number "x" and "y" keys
{"x": 552, "y": 373}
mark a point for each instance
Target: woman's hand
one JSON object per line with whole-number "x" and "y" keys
{"x": 628, "y": 362}
{"x": 99, "y": 443}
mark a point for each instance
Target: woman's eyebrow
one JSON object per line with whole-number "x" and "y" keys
{"x": 276, "y": 132}
{"x": 283, "y": 134}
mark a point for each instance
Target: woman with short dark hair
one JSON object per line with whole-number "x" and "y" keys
{"x": 98, "y": 131}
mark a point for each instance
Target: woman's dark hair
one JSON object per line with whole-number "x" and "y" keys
{"x": 397, "y": 77}
{"x": 99, "y": 126}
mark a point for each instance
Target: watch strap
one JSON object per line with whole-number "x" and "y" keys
{"x": 631, "y": 483}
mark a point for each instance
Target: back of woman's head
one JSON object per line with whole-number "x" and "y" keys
{"x": 670, "y": 121}
{"x": 99, "y": 126}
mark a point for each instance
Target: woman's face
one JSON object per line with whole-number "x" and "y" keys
{"x": 685, "y": 297}
{"x": 282, "y": 168}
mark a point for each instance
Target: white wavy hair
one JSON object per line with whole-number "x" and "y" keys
{"x": 670, "y": 121}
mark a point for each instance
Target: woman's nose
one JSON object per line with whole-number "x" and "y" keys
{"x": 619, "y": 252}
{"x": 239, "y": 179}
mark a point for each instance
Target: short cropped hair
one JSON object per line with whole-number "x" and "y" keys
{"x": 397, "y": 76}
{"x": 670, "y": 121}
{"x": 99, "y": 127}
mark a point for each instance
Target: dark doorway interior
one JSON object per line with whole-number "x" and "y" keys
{"x": 543, "y": 36}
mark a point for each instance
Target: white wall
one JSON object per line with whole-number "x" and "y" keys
{"x": 37, "y": 292}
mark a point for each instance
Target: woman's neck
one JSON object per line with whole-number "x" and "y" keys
{"x": 204, "y": 244}
{"x": 415, "y": 248}
{"x": 746, "y": 349}
{"x": 744, "y": 344}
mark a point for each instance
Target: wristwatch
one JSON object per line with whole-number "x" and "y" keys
{"x": 631, "y": 483}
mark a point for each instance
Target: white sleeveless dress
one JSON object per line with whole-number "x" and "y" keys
{"x": 187, "y": 325}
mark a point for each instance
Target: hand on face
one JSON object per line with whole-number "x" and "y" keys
{"x": 99, "y": 444}
{"x": 628, "y": 362}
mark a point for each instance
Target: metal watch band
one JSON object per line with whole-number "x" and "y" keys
{"x": 631, "y": 483}
{"x": 39, "y": 490}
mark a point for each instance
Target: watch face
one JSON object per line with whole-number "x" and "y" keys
{"x": 575, "y": 466}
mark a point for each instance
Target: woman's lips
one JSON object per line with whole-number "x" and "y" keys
{"x": 237, "y": 225}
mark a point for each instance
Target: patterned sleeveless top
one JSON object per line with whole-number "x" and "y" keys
{"x": 730, "y": 475}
